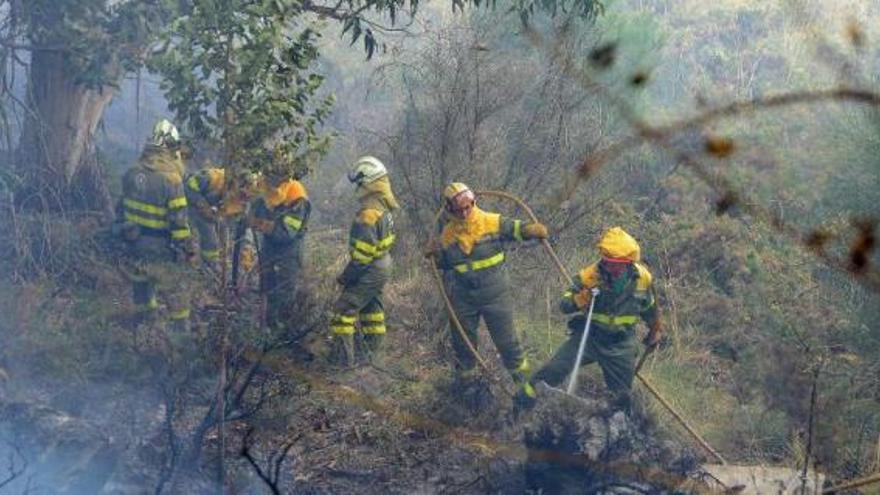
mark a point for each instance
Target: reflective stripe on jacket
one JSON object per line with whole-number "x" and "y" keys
{"x": 153, "y": 198}
{"x": 282, "y": 214}
{"x": 475, "y": 247}
{"x": 208, "y": 184}
{"x": 371, "y": 236}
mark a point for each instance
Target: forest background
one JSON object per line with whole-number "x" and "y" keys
{"x": 758, "y": 220}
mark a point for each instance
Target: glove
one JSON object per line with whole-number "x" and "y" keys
{"x": 654, "y": 335}
{"x": 535, "y": 230}
{"x": 582, "y": 299}
{"x": 432, "y": 248}
{"x": 248, "y": 258}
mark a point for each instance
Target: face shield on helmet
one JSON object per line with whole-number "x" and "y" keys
{"x": 460, "y": 200}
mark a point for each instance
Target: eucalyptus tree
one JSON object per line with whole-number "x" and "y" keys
{"x": 75, "y": 53}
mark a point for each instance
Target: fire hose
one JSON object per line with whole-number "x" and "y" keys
{"x": 573, "y": 379}
{"x": 456, "y": 323}
{"x": 438, "y": 279}
{"x": 851, "y": 485}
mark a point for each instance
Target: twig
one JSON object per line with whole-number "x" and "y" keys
{"x": 810, "y": 422}
{"x": 661, "y": 136}
{"x": 853, "y": 484}
{"x": 15, "y": 470}
{"x": 276, "y": 460}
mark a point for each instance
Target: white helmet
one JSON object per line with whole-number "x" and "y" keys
{"x": 165, "y": 134}
{"x": 366, "y": 169}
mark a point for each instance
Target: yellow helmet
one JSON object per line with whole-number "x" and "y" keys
{"x": 454, "y": 189}
{"x": 459, "y": 199}
{"x": 617, "y": 244}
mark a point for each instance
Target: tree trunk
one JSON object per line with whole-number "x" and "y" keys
{"x": 56, "y": 155}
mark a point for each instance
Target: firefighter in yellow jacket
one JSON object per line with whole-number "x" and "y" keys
{"x": 471, "y": 250}
{"x": 281, "y": 216}
{"x": 626, "y": 295}
{"x": 213, "y": 201}
{"x": 153, "y": 221}
{"x": 363, "y": 279}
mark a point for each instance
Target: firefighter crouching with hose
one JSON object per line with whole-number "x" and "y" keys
{"x": 625, "y": 296}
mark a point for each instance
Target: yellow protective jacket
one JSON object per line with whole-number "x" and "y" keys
{"x": 372, "y": 232}
{"x": 153, "y": 199}
{"x": 622, "y": 301}
{"x": 209, "y": 192}
{"x": 282, "y": 213}
{"x": 473, "y": 248}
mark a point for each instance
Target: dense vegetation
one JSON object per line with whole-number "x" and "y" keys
{"x": 758, "y": 218}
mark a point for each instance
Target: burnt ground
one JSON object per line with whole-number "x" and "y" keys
{"x": 404, "y": 427}
{"x": 371, "y": 430}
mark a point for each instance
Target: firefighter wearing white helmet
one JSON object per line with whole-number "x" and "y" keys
{"x": 165, "y": 135}
{"x": 371, "y": 237}
{"x": 366, "y": 170}
{"x": 153, "y": 219}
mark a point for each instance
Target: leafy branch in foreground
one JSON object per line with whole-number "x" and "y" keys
{"x": 239, "y": 77}
{"x": 856, "y": 261}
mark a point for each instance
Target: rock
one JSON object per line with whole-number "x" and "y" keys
{"x": 578, "y": 445}
{"x": 755, "y": 480}
{"x": 57, "y": 453}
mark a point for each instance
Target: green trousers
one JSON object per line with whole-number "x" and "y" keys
{"x": 209, "y": 240}
{"x": 615, "y": 352}
{"x": 360, "y": 306}
{"x": 156, "y": 277}
{"x": 495, "y": 306}
{"x": 280, "y": 270}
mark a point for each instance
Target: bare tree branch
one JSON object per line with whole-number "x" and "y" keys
{"x": 271, "y": 476}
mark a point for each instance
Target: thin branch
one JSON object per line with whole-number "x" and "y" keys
{"x": 810, "y": 426}
{"x": 338, "y": 14}
{"x": 16, "y": 469}
{"x": 272, "y": 477}
{"x": 661, "y": 137}
{"x": 11, "y": 45}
